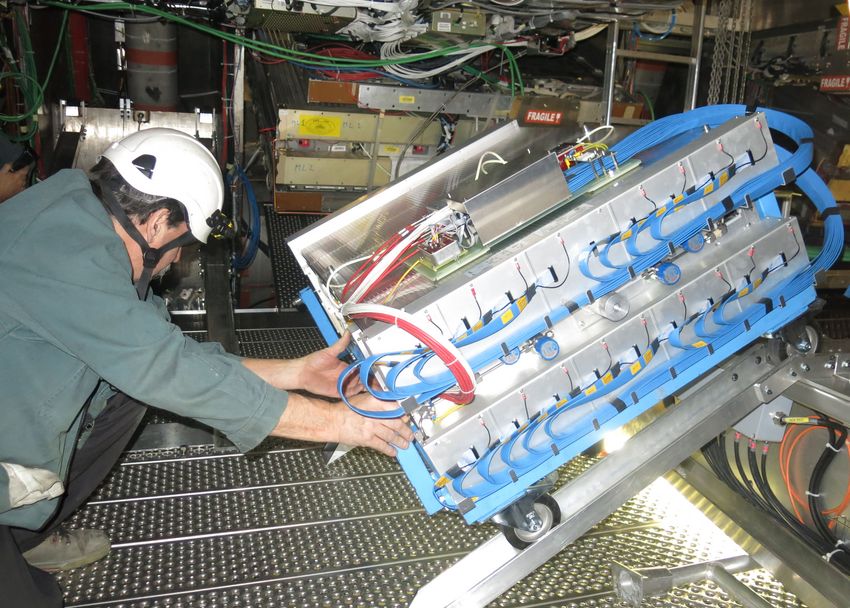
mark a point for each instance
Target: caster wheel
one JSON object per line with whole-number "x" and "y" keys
{"x": 548, "y": 511}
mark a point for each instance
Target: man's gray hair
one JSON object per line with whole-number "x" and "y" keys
{"x": 135, "y": 203}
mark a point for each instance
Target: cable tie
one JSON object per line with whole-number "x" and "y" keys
{"x": 833, "y": 448}
{"x": 841, "y": 544}
{"x": 812, "y": 494}
{"x": 828, "y": 556}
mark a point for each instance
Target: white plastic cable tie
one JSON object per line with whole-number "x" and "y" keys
{"x": 841, "y": 544}
{"x": 450, "y": 363}
{"x": 828, "y": 556}
{"x": 833, "y": 448}
{"x": 812, "y": 495}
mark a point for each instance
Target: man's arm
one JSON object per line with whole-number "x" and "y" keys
{"x": 317, "y": 373}
{"x": 317, "y": 420}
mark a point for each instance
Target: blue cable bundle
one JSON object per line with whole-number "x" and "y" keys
{"x": 244, "y": 260}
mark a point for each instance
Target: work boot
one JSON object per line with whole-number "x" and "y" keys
{"x": 66, "y": 549}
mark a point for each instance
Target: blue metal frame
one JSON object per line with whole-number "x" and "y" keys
{"x": 410, "y": 459}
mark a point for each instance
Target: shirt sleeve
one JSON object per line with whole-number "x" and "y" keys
{"x": 87, "y": 306}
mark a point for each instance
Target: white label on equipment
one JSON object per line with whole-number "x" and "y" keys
{"x": 444, "y": 26}
{"x": 339, "y": 148}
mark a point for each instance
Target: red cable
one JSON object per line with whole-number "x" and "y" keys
{"x": 465, "y": 383}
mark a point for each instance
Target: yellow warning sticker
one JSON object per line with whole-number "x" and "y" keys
{"x": 607, "y": 378}
{"x": 506, "y": 318}
{"x": 316, "y": 125}
{"x": 442, "y": 481}
{"x": 647, "y": 356}
{"x": 635, "y": 368}
{"x": 590, "y": 391}
{"x": 698, "y": 344}
{"x": 708, "y": 189}
{"x": 724, "y": 177}
{"x": 406, "y": 99}
{"x": 679, "y": 198}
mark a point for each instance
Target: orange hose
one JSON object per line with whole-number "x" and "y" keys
{"x": 785, "y": 470}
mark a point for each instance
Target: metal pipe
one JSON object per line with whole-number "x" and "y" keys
{"x": 696, "y": 52}
{"x": 610, "y": 70}
{"x": 633, "y": 586}
{"x": 735, "y": 588}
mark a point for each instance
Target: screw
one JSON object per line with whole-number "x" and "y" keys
{"x": 793, "y": 374}
{"x": 845, "y": 363}
{"x": 758, "y": 360}
{"x": 767, "y": 391}
{"x": 805, "y": 367}
{"x": 734, "y": 377}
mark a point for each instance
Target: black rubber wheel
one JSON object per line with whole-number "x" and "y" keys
{"x": 548, "y": 510}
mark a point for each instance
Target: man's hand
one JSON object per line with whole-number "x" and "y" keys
{"x": 316, "y": 373}
{"x": 12, "y": 182}
{"x": 316, "y": 420}
{"x": 379, "y": 434}
{"x": 320, "y": 370}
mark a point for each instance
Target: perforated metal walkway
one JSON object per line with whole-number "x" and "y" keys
{"x": 205, "y": 527}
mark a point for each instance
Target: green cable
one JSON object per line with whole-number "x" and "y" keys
{"x": 34, "y": 91}
{"x": 648, "y": 104}
{"x": 267, "y": 48}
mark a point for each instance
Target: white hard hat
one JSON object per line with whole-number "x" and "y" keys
{"x": 170, "y": 163}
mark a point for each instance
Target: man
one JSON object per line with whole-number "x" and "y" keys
{"x": 84, "y": 349}
{"x": 15, "y": 165}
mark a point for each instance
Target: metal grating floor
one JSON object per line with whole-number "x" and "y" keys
{"x": 288, "y": 278}
{"x": 205, "y": 527}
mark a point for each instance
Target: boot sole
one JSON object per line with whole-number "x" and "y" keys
{"x": 81, "y": 561}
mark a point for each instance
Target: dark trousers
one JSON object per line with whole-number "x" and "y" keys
{"x": 23, "y": 586}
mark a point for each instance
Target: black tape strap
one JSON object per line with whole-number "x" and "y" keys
{"x": 728, "y": 203}
{"x": 571, "y": 306}
{"x": 619, "y": 404}
{"x": 829, "y": 212}
{"x": 767, "y": 303}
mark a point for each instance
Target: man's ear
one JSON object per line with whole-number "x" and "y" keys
{"x": 157, "y": 225}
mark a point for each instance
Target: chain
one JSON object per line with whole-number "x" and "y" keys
{"x": 719, "y": 62}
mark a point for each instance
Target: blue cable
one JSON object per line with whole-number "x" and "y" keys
{"x": 655, "y": 37}
{"x": 244, "y": 260}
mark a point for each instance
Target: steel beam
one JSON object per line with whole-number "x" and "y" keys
{"x": 713, "y": 404}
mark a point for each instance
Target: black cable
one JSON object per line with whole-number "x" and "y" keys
{"x": 566, "y": 273}
{"x": 522, "y": 276}
{"x": 837, "y": 438}
{"x": 480, "y": 312}
{"x": 489, "y": 437}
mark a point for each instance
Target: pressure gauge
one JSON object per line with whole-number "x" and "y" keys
{"x": 547, "y": 348}
{"x": 668, "y": 273}
{"x": 511, "y": 358}
{"x": 695, "y": 243}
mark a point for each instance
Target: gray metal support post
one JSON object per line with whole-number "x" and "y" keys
{"x": 610, "y": 72}
{"x": 696, "y": 54}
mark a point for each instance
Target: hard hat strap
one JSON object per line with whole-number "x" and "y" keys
{"x": 150, "y": 255}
